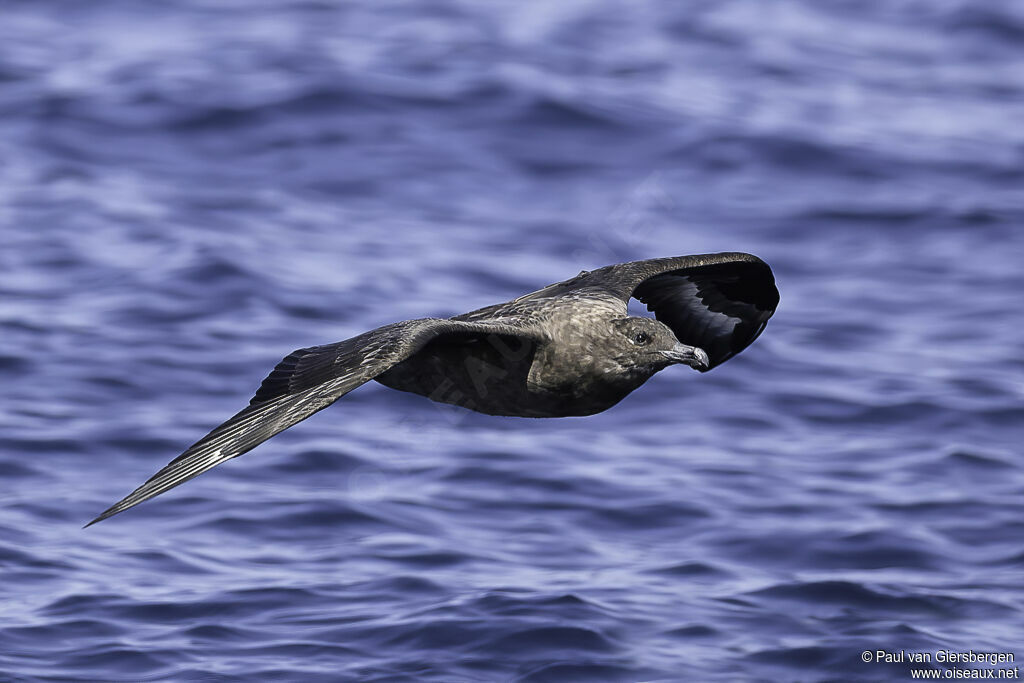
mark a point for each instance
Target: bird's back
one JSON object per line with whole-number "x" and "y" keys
{"x": 533, "y": 376}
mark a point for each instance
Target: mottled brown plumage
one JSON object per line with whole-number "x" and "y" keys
{"x": 567, "y": 349}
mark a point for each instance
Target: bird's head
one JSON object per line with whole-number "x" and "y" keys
{"x": 648, "y": 345}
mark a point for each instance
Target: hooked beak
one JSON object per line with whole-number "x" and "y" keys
{"x": 691, "y": 355}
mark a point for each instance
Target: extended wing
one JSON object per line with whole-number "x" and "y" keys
{"x": 304, "y": 382}
{"x": 718, "y": 302}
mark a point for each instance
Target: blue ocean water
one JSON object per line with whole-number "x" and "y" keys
{"x": 189, "y": 190}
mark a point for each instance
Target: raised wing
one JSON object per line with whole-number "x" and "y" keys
{"x": 719, "y": 302}
{"x": 306, "y": 381}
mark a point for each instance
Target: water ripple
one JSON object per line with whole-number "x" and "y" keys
{"x": 190, "y": 192}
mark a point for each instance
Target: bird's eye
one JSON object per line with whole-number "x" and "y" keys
{"x": 641, "y": 338}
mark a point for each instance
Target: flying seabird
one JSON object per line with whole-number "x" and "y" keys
{"x": 567, "y": 349}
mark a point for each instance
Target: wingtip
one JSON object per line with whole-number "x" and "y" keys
{"x": 110, "y": 512}
{"x": 115, "y": 509}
